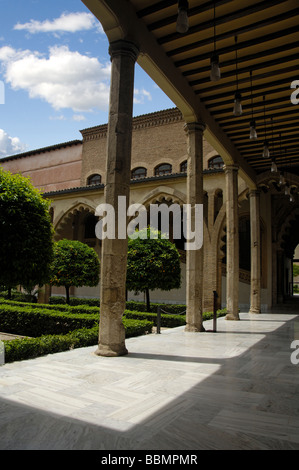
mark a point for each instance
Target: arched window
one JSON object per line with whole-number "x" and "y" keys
{"x": 164, "y": 169}
{"x": 94, "y": 179}
{"x": 215, "y": 163}
{"x": 184, "y": 167}
{"x": 138, "y": 173}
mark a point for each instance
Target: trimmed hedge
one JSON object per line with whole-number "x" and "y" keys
{"x": 29, "y": 348}
{"x": 57, "y": 299}
{"x": 56, "y": 328}
{"x": 36, "y": 322}
{"x": 85, "y": 315}
{"x": 67, "y": 309}
{"x": 169, "y": 321}
{"x": 130, "y": 305}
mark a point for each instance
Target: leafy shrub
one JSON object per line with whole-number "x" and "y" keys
{"x": 28, "y": 348}
{"x": 130, "y": 305}
{"x": 35, "y": 322}
{"x": 74, "y": 264}
{"x": 168, "y": 321}
{"x": 67, "y": 309}
{"x": 26, "y": 236}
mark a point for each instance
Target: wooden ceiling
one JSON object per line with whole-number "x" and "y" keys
{"x": 265, "y": 56}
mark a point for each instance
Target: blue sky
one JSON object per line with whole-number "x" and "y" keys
{"x": 55, "y": 68}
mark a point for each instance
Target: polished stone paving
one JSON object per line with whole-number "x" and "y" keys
{"x": 234, "y": 389}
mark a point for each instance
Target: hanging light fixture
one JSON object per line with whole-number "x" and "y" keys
{"x": 273, "y": 166}
{"x": 182, "y": 24}
{"x": 292, "y": 199}
{"x": 215, "y": 74}
{"x": 266, "y": 152}
{"x": 282, "y": 180}
{"x": 237, "y": 104}
{"x": 253, "y": 134}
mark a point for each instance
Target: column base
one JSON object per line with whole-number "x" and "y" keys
{"x": 255, "y": 311}
{"x": 194, "y": 329}
{"x": 111, "y": 351}
{"x": 231, "y": 316}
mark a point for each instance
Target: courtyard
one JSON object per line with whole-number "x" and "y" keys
{"x": 234, "y": 389}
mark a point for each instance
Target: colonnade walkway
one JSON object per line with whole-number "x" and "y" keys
{"x": 236, "y": 389}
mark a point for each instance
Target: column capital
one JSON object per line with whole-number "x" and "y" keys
{"x": 194, "y": 126}
{"x": 230, "y": 167}
{"x": 123, "y": 47}
{"x": 254, "y": 193}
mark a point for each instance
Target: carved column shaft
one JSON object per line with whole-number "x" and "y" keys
{"x": 194, "y": 258}
{"x": 255, "y": 235}
{"x": 118, "y": 169}
{"x": 232, "y": 243}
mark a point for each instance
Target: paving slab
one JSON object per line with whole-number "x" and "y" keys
{"x": 235, "y": 389}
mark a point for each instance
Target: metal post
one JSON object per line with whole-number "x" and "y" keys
{"x": 159, "y": 320}
{"x": 215, "y": 311}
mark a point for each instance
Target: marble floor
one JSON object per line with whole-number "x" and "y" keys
{"x": 236, "y": 389}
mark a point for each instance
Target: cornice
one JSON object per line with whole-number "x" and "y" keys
{"x": 158, "y": 118}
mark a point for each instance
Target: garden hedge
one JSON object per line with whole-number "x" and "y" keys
{"x": 29, "y": 348}
{"x": 130, "y": 305}
{"x": 54, "y": 328}
{"x": 67, "y": 309}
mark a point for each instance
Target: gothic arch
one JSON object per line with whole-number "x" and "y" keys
{"x": 164, "y": 192}
{"x": 285, "y": 228}
{"x": 64, "y": 218}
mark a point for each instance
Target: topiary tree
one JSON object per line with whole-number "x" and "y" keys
{"x": 26, "y": 246}
{"x": 74, "y": 264}
{"x": 153, "y": 263}
{"x": 295, "y": 270}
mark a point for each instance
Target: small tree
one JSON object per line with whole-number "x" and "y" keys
{"x": 153, "y": 263}
{"x": 75, "y": 264}
{"x": 26, "y": 246}
{"x": 295, "y": 270}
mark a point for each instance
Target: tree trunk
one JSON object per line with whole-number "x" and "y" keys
{"x": 67, "y": 290}
{"x": 148, "y": 305}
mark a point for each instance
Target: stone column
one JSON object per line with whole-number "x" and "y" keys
{"x": 274, "y": 273}
{"x": 194, "y": 258}
{"x": 118, "y": 171}
{"x": 255, "y": 235}
{"x": 280, "y": 276}
{"x": 232, "y": 243}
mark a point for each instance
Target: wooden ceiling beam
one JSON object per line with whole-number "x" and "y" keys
{"x": 231, "y": 33}
{"x": 272, "y": 87}
{"x": 241, "y": 71}
{"x": 247, "y": 58}
{"x": 241, "y": 45}
{"x": 191, "y": 12}
{"x": 237, "y": 14}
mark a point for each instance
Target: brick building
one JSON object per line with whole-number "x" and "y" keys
{"x": 73, "y": 176}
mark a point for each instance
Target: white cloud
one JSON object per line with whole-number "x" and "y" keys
{"x": 57, "y": 118}
{"x": 66, "y": 23}
{"x": 79, "y": 117}
{"x": 64, "y": 79}
{"x": 140, "y": 95}
{"x": 10, "y": 145}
